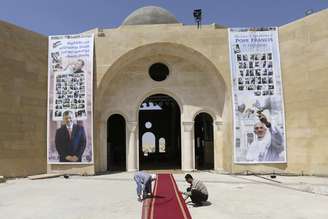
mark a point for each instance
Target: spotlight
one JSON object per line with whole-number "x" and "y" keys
{"x": 198, "y": 17}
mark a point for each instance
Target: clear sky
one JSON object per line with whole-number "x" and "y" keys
{"x": 52, "y": 17}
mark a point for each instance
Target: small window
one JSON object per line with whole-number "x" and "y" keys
{"x": 158, "y": 71}
{"x": 162, "y": 145}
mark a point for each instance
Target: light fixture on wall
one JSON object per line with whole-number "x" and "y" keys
{"x": 198, "y": 17}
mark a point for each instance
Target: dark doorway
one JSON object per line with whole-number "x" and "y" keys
{"x": 116, "y": 145}
{"x": 159, "y": 133}
{"x": 204, "y": 145}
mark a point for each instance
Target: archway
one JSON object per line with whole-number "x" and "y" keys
{"x": 204, "y": 142}
{"x": 116, "y": 143}
{"x": 159, "y": 133}
{"x": 123, "y": 86}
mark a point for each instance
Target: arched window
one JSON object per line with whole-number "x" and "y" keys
{"x": 162, "y": 144}
{"x": 148, "y": 143}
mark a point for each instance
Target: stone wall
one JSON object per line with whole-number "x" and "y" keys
{"x": 304, "y": 55}
{"x": 23, "y": 93}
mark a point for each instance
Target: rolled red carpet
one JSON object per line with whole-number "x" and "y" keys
{"x": 167, "y": 202}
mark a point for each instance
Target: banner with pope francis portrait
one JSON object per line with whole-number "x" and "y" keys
{"x": 70, "y": 115}
{"x": 258, "y": 110}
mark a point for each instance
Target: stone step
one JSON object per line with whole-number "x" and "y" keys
{"x": 45, "y": 176}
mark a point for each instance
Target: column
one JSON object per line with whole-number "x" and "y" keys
{"x": 102, "y": 141}
{"x": 131, "y": 158}
{"x": 218, "y": 146}
{"x": 187, "y": 147}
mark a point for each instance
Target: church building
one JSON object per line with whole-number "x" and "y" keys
{"x": 162, "y": 98}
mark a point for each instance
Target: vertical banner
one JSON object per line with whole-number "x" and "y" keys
{"x": 70, "y": 119}
{"x": 258, "y": 110}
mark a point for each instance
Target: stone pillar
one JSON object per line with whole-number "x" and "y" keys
{"x": 218, "y": 146}
{"x": 188, "y": 147}
{"x": 131, "y": 153}
{"x": 102, "y": 150}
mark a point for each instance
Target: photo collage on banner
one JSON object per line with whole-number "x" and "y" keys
{"x": 259, "y": 124}
{"x": 70, "y": 116}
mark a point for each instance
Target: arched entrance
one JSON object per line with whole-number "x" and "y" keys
{"x": 204, "y": 142}
{"x": 116, "y": 143}
{"x": 126, "y": 80}
{"x": 159, "y": 133}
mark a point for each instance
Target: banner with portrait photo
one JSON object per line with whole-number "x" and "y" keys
{"x": 258, "y": 109}
{"x": 70, "y": 116}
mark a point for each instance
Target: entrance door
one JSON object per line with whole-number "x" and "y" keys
{"x": 204, "y": 145}
{"x": 116, "y": 146}
{"x": 159, "y": 133}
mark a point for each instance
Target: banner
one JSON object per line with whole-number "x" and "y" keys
{"x": 70, "y": 118}
{"x": 258, "y": 111}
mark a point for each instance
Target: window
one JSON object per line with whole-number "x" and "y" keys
{"x": 148, "y": 143}
{"x": 148, "y": 125}
{"x": 158, "y": 71}
{"x": 162, "y": 145}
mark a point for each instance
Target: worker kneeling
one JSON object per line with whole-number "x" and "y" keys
{"x": 197, "y": 191}
{"x": 143, "y": 181}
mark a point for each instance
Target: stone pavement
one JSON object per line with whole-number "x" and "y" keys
{"x": 114, "y": 196}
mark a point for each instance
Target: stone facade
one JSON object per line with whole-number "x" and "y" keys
{"x": 23, "y": 96}
{"x": 199, "y": 81}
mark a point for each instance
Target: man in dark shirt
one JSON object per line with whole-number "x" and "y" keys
{"x": 75, "y": 67}
{"x": 70, "y": 140}
{"x": 78, "y": 65}
{"x": 197, "y": 191}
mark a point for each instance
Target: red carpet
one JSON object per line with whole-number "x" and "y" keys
{"x": 167, "y": 202}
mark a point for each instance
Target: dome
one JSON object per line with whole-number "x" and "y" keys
{"x": 150, "y": 15}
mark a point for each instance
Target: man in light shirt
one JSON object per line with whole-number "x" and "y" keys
{"x": 143, "y": 181}
{"x": 70, "y": 140}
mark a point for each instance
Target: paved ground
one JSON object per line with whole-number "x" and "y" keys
{"x": 114, "y": 196}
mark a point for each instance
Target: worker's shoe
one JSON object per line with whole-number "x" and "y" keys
{"x": 199, "y": 204}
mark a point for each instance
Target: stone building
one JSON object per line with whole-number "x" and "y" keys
{"x": 193, "y": 91}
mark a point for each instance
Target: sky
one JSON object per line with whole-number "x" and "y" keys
{"x": 52, "y": 17}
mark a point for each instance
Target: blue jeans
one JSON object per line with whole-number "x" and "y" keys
{"x": 147, "y": 187}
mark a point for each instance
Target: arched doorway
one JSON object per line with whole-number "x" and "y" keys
{"x": 159, "y": 133}
{"x": 187, "y": 66}
{"x": 204, "y": 142}
{"x": 116, "y": 143}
